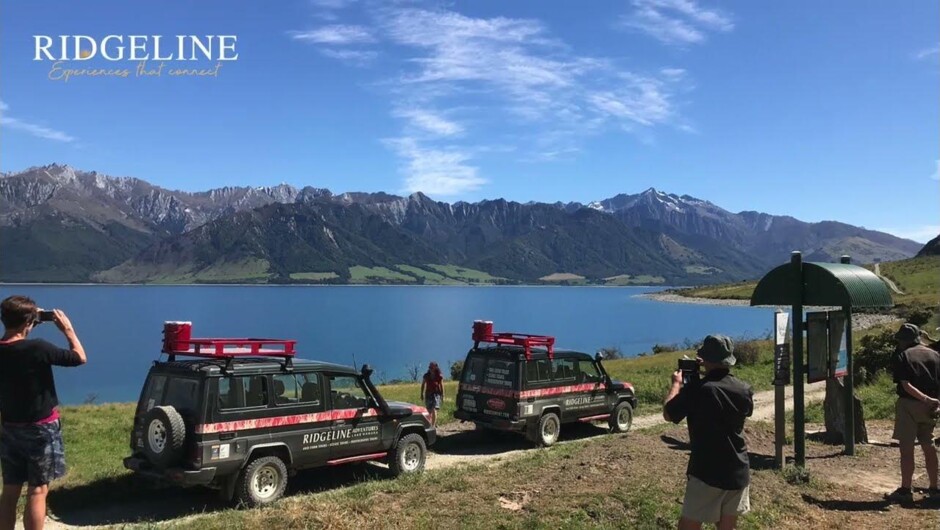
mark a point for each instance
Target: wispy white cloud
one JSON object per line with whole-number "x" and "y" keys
{"x": 927, "y": 52}
{"x": 34, "y": 129}
{"x": 936, "y": 173}
{"x": 436, "y": 171}
{"x": 351, "y": 57}
{"x": 335, "y": 34}
{"x": 921, "y": 234}
{"x": 676, "y": 22}
{"x": 528, "y": 89}
{"x": 430, "y": 122}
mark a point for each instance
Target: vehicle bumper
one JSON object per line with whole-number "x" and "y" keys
{"x": 431, "y": 435}
{"x": 183, "y": 477}
{"x": 492, "y": 423}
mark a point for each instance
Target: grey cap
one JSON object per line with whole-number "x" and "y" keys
{"x": 717, "y": 349}
{"x": 908, "y": 333}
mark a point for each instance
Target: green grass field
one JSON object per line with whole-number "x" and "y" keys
{"x": 313, "y": 276}
{"x": 361, "y": 274}
{"x": 465, "y": 274}
{"x": 918, "y": 278}
{"x": 429, "y": 277}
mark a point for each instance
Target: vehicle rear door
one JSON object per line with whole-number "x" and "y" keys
{"x": 356, "y": 430}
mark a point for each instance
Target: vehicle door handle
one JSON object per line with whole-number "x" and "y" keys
{"x": 339, "y": 422}
{"x": 226, "y": 436}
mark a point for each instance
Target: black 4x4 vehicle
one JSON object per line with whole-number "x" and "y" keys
{"x": 522, "y": 383}
{"x": 246, "y": 414}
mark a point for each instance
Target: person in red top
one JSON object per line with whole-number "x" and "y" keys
{"x": 31, "y": 449}
{"x": 432, "y": 391}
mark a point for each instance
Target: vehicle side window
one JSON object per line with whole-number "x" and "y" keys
{"x": 500, "y": 374}
{"x": 565, "y": 370}
{"x": 538, "y": 372}
{"x": 243, "y": 392}
{"x": 347, "y": 392}
{"x": 154, "y": 394}
{"x": 473, "y": 371}
{"x": 589, "y": 372}
{"x": 182, "y": 394}
{"x": 295, "y": 389}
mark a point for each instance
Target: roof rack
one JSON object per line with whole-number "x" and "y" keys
{"x": 483, "y": 332}
{"x": 177, "y": 340}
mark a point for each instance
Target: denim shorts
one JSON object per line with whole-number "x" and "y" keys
{"x": 432, "y": 401}
{"x": 32, "y": 454}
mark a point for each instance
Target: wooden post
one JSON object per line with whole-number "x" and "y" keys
{"x": 849, "y": 436}
{"x": 799, "y": 412}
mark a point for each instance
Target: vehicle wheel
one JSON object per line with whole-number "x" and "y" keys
{"x": 409, "y": 455}
{"x": 262, "y": 482}
{"x": 164, "y": 435}
{"x": 547, "y": 430}
{"x": 621, "y": 418}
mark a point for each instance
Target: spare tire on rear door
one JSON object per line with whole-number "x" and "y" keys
{"x": 164, "y": 434}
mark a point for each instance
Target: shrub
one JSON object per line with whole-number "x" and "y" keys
{"x": 747, "y": 352}
{"x": 874, "y": 355}
{"x": 456, "y": 368}
{"x": 916, "y": 315}
{"x": 665, "y": 348}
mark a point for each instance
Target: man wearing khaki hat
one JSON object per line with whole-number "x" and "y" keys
{"x": 716, "y": 406}
{"x": 917, "y": 374}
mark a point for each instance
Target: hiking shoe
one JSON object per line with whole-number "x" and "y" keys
{"x": 900, "y": 495}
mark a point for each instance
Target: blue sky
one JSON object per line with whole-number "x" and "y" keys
{"x": 820, "y": 110}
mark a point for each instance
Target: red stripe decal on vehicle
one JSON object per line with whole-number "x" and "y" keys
{"x": 541, "y": 392}
{"x": 281, "y": 421}
{"x": 373, "y": 456}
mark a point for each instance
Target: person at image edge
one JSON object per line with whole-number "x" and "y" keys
{"x": 917, "y": 374}
{"x": 716, "y": 406}
{"x": 31, "y": 449}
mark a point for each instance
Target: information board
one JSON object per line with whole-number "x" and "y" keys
{"x": 817, "y": 346}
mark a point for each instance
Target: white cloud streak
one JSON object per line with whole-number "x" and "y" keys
{"x": 337, "y": 34}
{"x": 430, "y": 122}
{"x": 351, "y": 57}
{"x": 676, "y": 22}
{"x": 436, "y": 171}
{"x": 927, "y": 53}
{"x": 34, "y": 129}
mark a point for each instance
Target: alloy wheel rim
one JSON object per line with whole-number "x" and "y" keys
{"x": 623, "y": 418}
{"x": 411, "y": 457}
{"x": 549, "y": 430}
{"x": 156, "y": 434}
{"x": 266, "y": 482}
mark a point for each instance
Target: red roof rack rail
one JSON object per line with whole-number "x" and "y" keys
{"x": 483, "y": 332}
{"x": 178, "y": 340}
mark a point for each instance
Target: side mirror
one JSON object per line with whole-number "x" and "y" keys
{"x": 599, "y": 356}
{"x": 366, "y": 371}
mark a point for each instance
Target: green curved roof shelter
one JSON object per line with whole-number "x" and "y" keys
{"x": 824, "y": 284}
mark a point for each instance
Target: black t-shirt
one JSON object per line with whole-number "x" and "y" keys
{"x": 919, "y": 366}
{"x": 716, "y": 407}
{"x": 27, "y": 389}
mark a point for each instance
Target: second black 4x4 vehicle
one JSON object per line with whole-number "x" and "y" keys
{"x": 521, "y": 383}
{"x": 244, "y": 415}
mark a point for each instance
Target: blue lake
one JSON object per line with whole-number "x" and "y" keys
{"x": 387, "y": 327}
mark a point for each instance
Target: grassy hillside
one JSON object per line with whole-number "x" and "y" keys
{"x": 918, "y": 278}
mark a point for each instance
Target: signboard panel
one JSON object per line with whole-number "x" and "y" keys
{"x": 817, "y": 346}
{"x": 781, "y": 349}
{"x": 838, "y": 360}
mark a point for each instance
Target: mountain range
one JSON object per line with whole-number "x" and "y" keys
{"x": 59, "y": 224}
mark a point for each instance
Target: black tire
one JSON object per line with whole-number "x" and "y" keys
{"x": 408, "y": 456}
{"x": 546, "y": 431}
{"x": 621, "y": 419}
{"x": 164, "y": 435}
{"x": 262, "y": 482}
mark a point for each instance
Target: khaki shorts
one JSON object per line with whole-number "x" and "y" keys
{"x": 913, "y": 421}
{"x": 706, "y": 504}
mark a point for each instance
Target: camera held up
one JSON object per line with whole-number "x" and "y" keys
{"x": 45, "y": 316}
{"x": 689, "y": 369}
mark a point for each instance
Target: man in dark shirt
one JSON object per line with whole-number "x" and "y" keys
{"x": 31, "y": 449}
{"x": 716, "y": 406}
{"x": 917, "y": 374}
